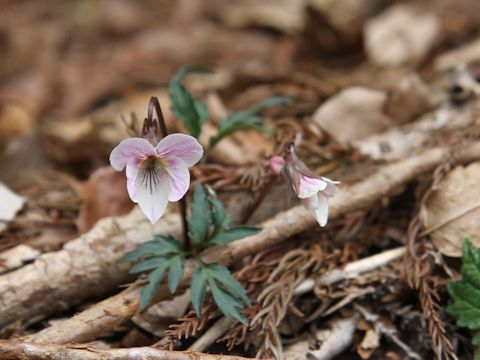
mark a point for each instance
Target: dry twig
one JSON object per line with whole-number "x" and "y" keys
{"x": 13, "y": 350}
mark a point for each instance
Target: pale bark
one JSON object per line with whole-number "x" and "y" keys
{"x": 333, "y": 341}
{"x": 16, "y": 257}
{"x": 215, "y": 331}
{"x": 403, "y": 141}
{"x": 13, "y": 350}
{"x": 85, "y": 267}
{"x": 351, "y": 270}
{"x": 112, "y": 311}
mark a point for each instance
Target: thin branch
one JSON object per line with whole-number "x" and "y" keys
{"x": 212, "y": 334}
{"x": 352, "y": 269}
{"x": 18, "y": 350}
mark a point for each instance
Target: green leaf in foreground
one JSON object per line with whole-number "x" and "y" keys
{"x": 227, "y": 293}
{"x": 236, "y": 233}
{"x": 201, "y": 216}
{"x": 247, "y": 119}
{"x": 191, "y": 112}
{"x": 466, "y": 292}
{"x": 161, "y": 264}
{"x": 198, "y": 289}
{"x": 162, "y": 245}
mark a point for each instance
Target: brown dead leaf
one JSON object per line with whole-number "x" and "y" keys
{"x": 450, "y": 212}
{"x": 370, "y": 342}
{"x": 353, "y": 114}
{"x": 282, "y": 15}
{"x": 11, "y": 204}
{"x": 392, "y": 38}
{"x": 104, "y": 194}
{"x": 408, "y": 99}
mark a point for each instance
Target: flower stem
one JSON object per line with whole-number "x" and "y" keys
{"x": 155, "y": 104}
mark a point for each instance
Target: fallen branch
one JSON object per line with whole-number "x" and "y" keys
{"x": 403, "y": 141}
{"x": 16, "y": 257}
{"x": 212, "y": 334}
{"x": 333, "y": 341}
{"x": 85, "y": 267}
{"x": 351, "y": 270}
{"x": 107, "y": 314}
{"x": 13, "y": 350}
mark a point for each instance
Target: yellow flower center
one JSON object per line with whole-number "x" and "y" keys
{"x": 152, "y": 162}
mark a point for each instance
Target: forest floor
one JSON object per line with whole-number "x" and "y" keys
{"x": 383, "y": 97}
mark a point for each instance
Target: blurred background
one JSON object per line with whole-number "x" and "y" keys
{"x": 72, "y": 73}
{"x": 62, "y": 61}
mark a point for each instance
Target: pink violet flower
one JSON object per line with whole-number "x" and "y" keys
{"x": 314, "y": 191}
{"x": 157, "y": 174}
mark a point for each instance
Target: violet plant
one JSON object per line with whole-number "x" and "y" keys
{"x": 194, "y": 113}
{"x": 157, "y": 172}
{"x": 313, "y": 191}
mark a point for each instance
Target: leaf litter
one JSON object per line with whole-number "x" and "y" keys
{"x": 354, "y": 88}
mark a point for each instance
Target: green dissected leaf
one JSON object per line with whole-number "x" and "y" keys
{"x": 200, "y": 217}
{"x": 236, "y": 122}
{"x": 162, "y": 245}
{"x": 229, "y": 306}
{"x": 236, "y": 233}
{"x": 466, "y": 292}
{"x": 198, "y": 289}
{"x": 175, "y": 272}
{"x": 227, "y": 293}
{"x": 270, "y": 102}
{"x": 174, "y": 265}
{"x": 191, "y": 112}
{"x": 169, "y": 243}
{"x": 155, "y": 278}
{"x": 223, "y": 276}
{"x": 220, "y": 218}
{"x": 148, "y": 264}
{"x": 247, "y": 119}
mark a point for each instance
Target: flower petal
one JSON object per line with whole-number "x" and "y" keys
{"x": 152, "y": 191}
{"x": 128, "y": 149}
{"x": 318, "y": 205}
{"x": 180, "y": 146}
{"x": 321, "y": 212}
{"x": 179, "y": 179}
{"x": 331, "y": 189}
{"x": 132, "y": 189}
{"x": 277, "y": 163}
{"x": 309, "y": 186}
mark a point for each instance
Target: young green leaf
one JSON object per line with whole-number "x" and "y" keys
{"x": 198, "y": 289}
{"x": 200, "y": 217}
{"x": 466, "y": 292}
{"x": 220, "y": 218}
{"x": 175, "y": 272}
{"x": 175, "y": 266}
{"x": 236, "y": 233}
{"x": 162, "y": 245}
{"x": 247, "y": 119}
{"x": 236, "y": 121}
{"x": 229, "y": 306}
{"x": 191, "y": 112}
{"x": 223, "y": 276}
{"x": 155, "y": 278}
{"x": 269, "y": 103}
{"x": 148, "y": 264}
